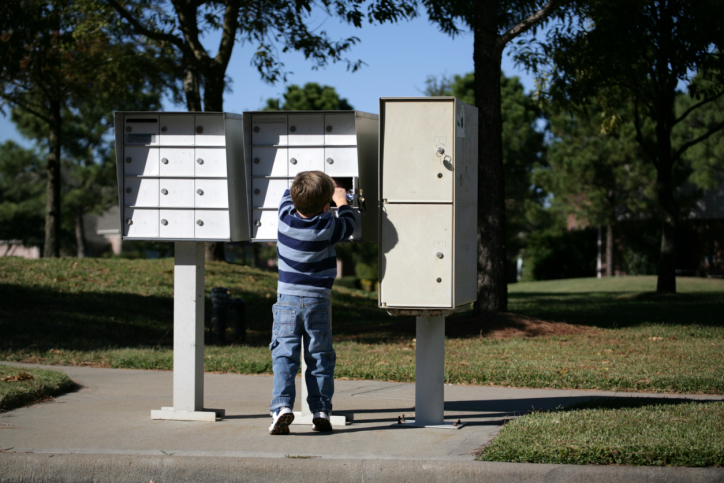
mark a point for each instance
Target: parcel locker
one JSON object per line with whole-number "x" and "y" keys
{"x": 427, "y": 203}
{"x": 191, "y": 168}
{"x": 280, "y": 145}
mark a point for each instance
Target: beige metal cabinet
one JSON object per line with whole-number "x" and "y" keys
{"x": 342, "y": 144}
{"x": 182, "y": 176}
{"x": 427, "y": 203}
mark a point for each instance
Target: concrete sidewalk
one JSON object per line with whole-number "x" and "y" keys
{"x": 104, "y": 432}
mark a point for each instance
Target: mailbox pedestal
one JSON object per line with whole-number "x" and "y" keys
{"x": 188, "y": 338}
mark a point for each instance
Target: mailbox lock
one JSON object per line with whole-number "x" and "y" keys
{"x": 439, "y": 280}
{"x": 200, "y": 192}
{"x": 256, "y": 160}
{"x": 200, "y": 161}
{"x": 164, "y": 160}
{"x": 439, "y": 175}
{"x": 164, "y": 222}
{"x": 164, "y": 129}
{"x": 128, "y": 159}
{"x": 329, "y": 128}
{"x": 129, "y": 129}
{"x": 292, "y": 128}
{"x": 257, "y": 223}
{"x": 330, "y": 161}
{"x": 200, "y": 222}
{"x": 440, "y": 255}
{"x": 293, "y": 160}
{"x": 129, "y": 221}
{"x": 164, "y": 191}
{"x": 128, "y": 190}
{"x": 256, "y": 128}
{"x": 199, "y": 129}
{"x": 257, "y": 191}
{"x": 440, "y": 151}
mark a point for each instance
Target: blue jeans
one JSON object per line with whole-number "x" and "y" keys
{"x": 297, "y": 321}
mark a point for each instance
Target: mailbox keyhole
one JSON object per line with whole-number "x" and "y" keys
{"x": 164, "y": 222}
{"x": 128, "y": 160}
{"x": 164, "y": 191}
{"x": 439, "y": 280}
{"x": 200, "y": 222}
{"x": 293, "y": 160}
{"x": 129, "y": 221}
{"x": 164, "y": 129}
{"x": 128, "y": 190}
{"x": 329, "y": 128}
{"x": 164, "y": 160}
{"x": 199, "y": 129}
{"x": 256, "y": 160}
{"x": 200, "y": 161}
{"x": 129, "y": 129}
{"x": 257, "y": 191}
{"x": 200, "y": 192}
{"x": 256, "y": 128}
{"x": 293, "y": 129}
{"x": 330, "y": 161}
{"x": 440, "y": 255}
{"x": 257, "y": 223}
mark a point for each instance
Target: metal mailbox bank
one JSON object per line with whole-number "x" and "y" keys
{"x": 280, "y": 144}
{"x": 428, "y": 226}
{"x": 181, "y": 178}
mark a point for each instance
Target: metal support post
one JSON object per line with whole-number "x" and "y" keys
{"x": 188, "y": 339}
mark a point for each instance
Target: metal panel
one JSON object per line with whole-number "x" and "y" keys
{"x": 177, "y": 162}
{"x": 176, "y": 193}
{"x": 140, "y": 161}
{"x": 238, "y": 167}
{"x": 140, "y": 223}
{"x": 267, "y": 193}
{"x": 265, "y": 224}
{"x": 269, "y": 161}
{"x": 210, "y": 162}
{"x": 418, "y": 140}
{"x": 340, "y": 162}
{"x": 306, "y": 129}
{"x": 305, "y": 159}
{"x": 269, "y": 129}
{"x": 211, "y": 224}
{"x": 177, "y": 130}
{"x": 176, "y": 223}
{"x": 209, "y": 130}
{"x": 416, "y": 255}
{"x": 339, "y": 129}
{"x": 140, "y": 192}
{"x": 141, "y": 129}
{"x": 211, "y": 193}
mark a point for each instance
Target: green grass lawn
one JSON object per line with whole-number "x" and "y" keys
{"x": 618, "y": 431}
{"x": 119, "y": 313}
{"x": 21, "y": 385}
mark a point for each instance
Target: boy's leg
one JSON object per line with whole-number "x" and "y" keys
{"x": 285, "y": 346}
{"x": 319, "y": 355}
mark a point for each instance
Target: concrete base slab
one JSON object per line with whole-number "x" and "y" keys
{"x": 169, "y": 413}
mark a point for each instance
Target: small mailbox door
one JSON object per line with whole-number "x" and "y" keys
{"x": 140, "y": 161}
{"x": 269, "y": 129}
{"x": 339, "y": 129}
{"x": 306, "y": 129}
{"x": 141, "y": 129}
{"x": 264, "y": 224}
{"x": 177, "y": 223}
{"x": 416, "y": 266}
{"x": 212, "y": 224}
{"x": 305, "y": 159}
{"x": 177, "y": 162}
{"x": 140, "y": 192}
{"x": 177, "y": 130}
{"x": 177, "y": 193}
{"x": 269, "y": 161}
{"x": 267, "y": 193}
{"x": 210, "y": 162}
{"x": 211, "y": 193}
{"x": 341, "y": 162}
{"x": 417, "y": 153}
{"x": 140, "y": 223}
{"x": 210, "y": 131}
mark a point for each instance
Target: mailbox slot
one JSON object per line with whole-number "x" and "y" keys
{"x": 176, "y": 193}
{"x": 305, "y": 159}
{"x": 210, "y": 163}
{"x": 340, "y": 162}
{"x": 141, "y": 129}
{"x": 176, "y": 223}
{"x": 176, "y": 130}
{"x": 140, "y": 161}
{"x": 264, "y": 224}
{"x": 210, "y": 131}
{"x": 212, "y": 224}
{"x": 306, "y": 129}
{"x": 177, "y": 162}
{"x": 269, "y": 129}
{"x": 269, "y": 161}
{"x": 138, "y": 223}
{"x": 211, "y": 193}
{"x": 141, "y": 192}
{"x": 339, "y": 130}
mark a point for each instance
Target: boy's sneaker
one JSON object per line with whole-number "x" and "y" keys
{"x": 321, "y": 422}
{"x": 281, "y": 419}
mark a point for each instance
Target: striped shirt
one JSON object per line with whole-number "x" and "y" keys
{"x": 307, "y": 260}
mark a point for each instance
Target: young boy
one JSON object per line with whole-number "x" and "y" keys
{"x": 307, "y": 269}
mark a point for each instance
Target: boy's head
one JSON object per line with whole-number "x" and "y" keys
{"x": 311, "y": 191}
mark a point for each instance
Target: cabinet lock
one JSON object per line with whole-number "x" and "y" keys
{"x": 256, "y": 128}
{"x": 200, "y": 192}
{"x": 440, "y": 151}
{"x": 129, "y": 129}
{"x": 292, "y": 128}
{"x": 439, "y": 280}
{"x": 164, "y": 160}
{"x": 330, "y": 161}
{"x": 200, "y": 161}
{"x": 164, "y": 191}
{"x": 257, "y": 191}
{"x": 164, "y": 129}
{"x": 257, "y": 223}
{"x": 199, "y": 129}
{"x": 200, "y": 222}
{"x": 164, "y": 222}
{"x": 128, "y": 159}
{"x": 129, "y": 221}
{"x": 256, "y": 160}
{"x": 440, "y": 255}
{"x": 329, "y": 128}
{"x": 128, "y": 190}
{"x": 293, "y": 160}
{"x": 439, "y": 175}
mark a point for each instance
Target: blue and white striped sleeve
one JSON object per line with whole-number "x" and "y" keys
{"x": 344, "y": 225}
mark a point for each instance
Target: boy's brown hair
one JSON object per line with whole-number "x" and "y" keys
{"x": 310, "y": 191}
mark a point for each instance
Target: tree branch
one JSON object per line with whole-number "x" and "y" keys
{"x": 696, "y": 106}
{"x": 228, "y": 35}
{"x": 25, "y": 107}
{"x": 694, "y": 141}
{"x": 187, "y": 14}
{"x": 529, "y": 22}
{"x": 142, "y": 29}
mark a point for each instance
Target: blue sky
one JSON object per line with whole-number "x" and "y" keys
{"x": 398, "y": 59}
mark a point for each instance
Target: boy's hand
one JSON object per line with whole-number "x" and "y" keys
{"x": 340, "y": 196}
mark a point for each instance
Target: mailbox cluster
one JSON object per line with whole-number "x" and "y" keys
{"x": 342, "y": 144}
{"x": 179, "y": 176}
{"x": 428, "y": 203}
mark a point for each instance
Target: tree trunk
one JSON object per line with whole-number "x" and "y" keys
{"x": 609, "y": 250}
{"x": 492, "y": 284}
{"x": 666, "y": 282}
{"x": 80, "y": 233}
{"x": 192, "y": 89}
{"x": 52, "y": 204}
